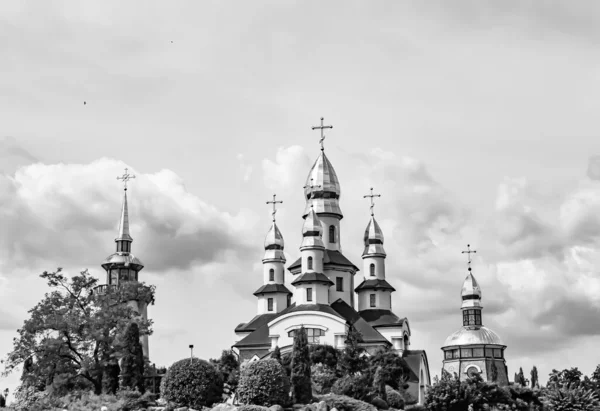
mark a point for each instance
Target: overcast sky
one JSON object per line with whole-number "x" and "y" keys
{"x": 475, "y": 120}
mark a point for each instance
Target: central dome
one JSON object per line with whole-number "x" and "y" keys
{"x": 325, "y": 194}
{"x": 472, "y": 336}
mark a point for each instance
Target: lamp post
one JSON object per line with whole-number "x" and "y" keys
{"x": 191, "y": 353}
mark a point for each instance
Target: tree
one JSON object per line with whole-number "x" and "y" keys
{"x": 352, "y": 361}
{"x": 229, "y": 366}
{"x": 494, "y": 371}
{"x": 534, "y": 378}
{"x": 567, "y": 377}
{"x": 521, "y": 378}
{"x": 71, "y": 334}
{"x": 571, "y": 397}
{"x": 132, "y": 371}
{"x": 393, "y": 367}
{"x": 596, "y": 376}
{"x": 300, "y": 379}
{"x": 379, "y": 383}
{"x": 324, "y": 354}
{"x": 516, "y": 380}
{"x": 276, "y": 354}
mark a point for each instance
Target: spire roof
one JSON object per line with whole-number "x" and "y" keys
{"x": 274, "y": 238}
{"x": 470, "y": 292}
{"x": 322, "y": 187}
{"x": 124, "y": 222}
{"x": 312, "y": 231}
{"x": 373, "y": 239}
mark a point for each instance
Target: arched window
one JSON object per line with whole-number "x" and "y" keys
{"x": 309, "y": 265}
{"x": 312, "y": 335}
{"x": 372, "y": 270}
{"x": 271, "y": 275}
{"x": 332, "y": 234}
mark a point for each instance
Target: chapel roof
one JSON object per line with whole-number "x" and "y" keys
{"x": 312, "y": 277}
{"x": 329, "y": 257}
{"x": 272, "y": 288}
{"x": 322, "y": 188}
{"x": 382, "y": 318}
{"x": 470, "y": 335}
{"x": 375, "y": 284}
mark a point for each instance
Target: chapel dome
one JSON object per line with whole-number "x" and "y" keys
{"x": 322, "y": 188}
{"x": 274, "y": 238}
{"x": 373, "y": 238}
{"x": 469, "y": 335}
{"x": 122, "y": 259}
{"x": 470, "y": 287}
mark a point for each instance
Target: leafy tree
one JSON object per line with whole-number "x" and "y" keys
{"x": 596, "y": 376}
{"x": 352, "y": 360}
{"x": 71, "y": 334}
{"x": 379, "y": 383}
{"x": 110, "y": 377}
{"x": 494, "y": 371}
{"x": 229, "y": 366}
{"x": 132, "y": 371}
{"x": 393, "y": 367}
{"x": 571, "y": 397}
{"x": 521, "y": 378}
{"x": 448, "y": 395}
{"x": 324, "y": 354}
{"x": 567, "y": 377}
{"x": 276, "y": 354}
{"x": 300, "y": 379}
{"x": 534, "y": 378}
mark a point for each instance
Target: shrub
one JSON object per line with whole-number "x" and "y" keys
{"x": 418, "y": 408}
{"x": 192, "y": 383}
{"x": 345, "y": 403}
{"x": 571, "y": 397}
{"x": 354, "y": 386}
{"x": 252, "y": 408}
{"x": 393, "y": 367}
{"x": 264, "y": 383}
{"x": 133, "y": 400}
{"x": 394, "y": 398}
{"x": 380, "y": 403}
{"x": 300, "y": 379}
{"x": 324, "y": 354}
{"x": 323, "y": 378}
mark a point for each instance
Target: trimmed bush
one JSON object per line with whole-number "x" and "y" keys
{"x": 380, "y": 404}
{"x": 252, "y": 408}
{"x": 324, "y": 354}
{"x": 354, "y": 386}
{"x": 264, "y": 383}
{"x": 323, "y": 378}
{"x": 345, "y": 403}
{"x": 394, "y": 398}
{"x": 192, "y": 383}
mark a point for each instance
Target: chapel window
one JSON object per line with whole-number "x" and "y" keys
{"x": 309, "y": 294}
{"x": 309, "y": 263}
{"x": 270, "y": 304}
{"x": 271, "y": 275}
{"x": 312, "y": 335}
{"x": 332, "y": 234}
{"x": 339, "y": 284}
{"x": 372, "y": 270}
{"x": 448, "y": 355}
{"x": 372, "y": 300}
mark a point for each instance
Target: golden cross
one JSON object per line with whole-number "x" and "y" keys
{"x": 274, "y": 206}
{"x": 126, "y": 177}
{"x": 311, "y": 186}
{"x": 322, "y": 127}
{"x": 372, "y": 196}
{"x": 469, "y": 252}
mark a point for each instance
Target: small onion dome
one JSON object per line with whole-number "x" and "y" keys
{"x": 274, "y": 239}
{"x": 121, "y": 259}
{"x": 325, "y": 191}
{"x": 472, "y": 336}
{"x": 373, "y": 239}
{"x": 312, "y": 231}
{"x": 471, "y": 292}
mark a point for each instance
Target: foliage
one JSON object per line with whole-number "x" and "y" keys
{"x": 357, "y": 386}
{"x": 323, "y": 378}
{"x": 345, "y": 403}
{"x": 520, "y": 378}
{"x": 494, "y": 371}
{"x": 264, "y": 383}
{"x": 534, "y": 378}
{"x": 229, "y": 366}
{"x": 379, "y": 384}
{"x": 380, "y": 403}
{"x": 393, "y": 367}
{"x": 324, "y": 354}
{"x": 252, "y": 408}
{"x": 110, "y": 377}
{"x": 300, "y": 378}
{"x": 192, "y": 383}
{"x": 84, "y": 401}
{"x": 286, "y": 361}
{"x": 565, "y": 377}
{"x": 132, "y": 371}
{"x": 394, "y": 398}
{"x": 276, "y": 354}
{"x": 595, "y": 378}
{"x": 352, "y": 360}
{"x": 447, "y": 395}
{"x": 571, "y": 397}
{"x": 71, "y": 334}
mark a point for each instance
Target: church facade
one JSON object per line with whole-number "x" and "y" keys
{"x": 327, "y": 294}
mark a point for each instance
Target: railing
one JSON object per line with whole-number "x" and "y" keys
{"x": 105, "y": 288}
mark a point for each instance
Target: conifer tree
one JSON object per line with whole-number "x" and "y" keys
{"x": 534, "y": 378}
{"x": 132, "y": 371}
{"x": 521, "y": 377}
{"x": 494, "y": 371}
{"x": 516, "y": 380}
{"x": 301, "y": 379}
{"x": 276, "y": 354}
{"x": 379, "y": 384}
{"x": 351, "y": 360}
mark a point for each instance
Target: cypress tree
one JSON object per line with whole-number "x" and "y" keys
{"x": 379, "y": 384}
{"x": 132, "y": 370}
{"x": 494, "y": 371}
{"x": 516, "y": 380}
{"x": 276, "y": 354}
{"x": 351, "y": 360}
{"x": 534, "y": 378}
{"x": 521, "y": 377}
{"x": 301, "y": 379}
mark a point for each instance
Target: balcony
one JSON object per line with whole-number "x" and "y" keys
{"x": 105, "y": 289}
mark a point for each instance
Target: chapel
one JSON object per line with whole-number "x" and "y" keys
{"x": 327, "y": 294}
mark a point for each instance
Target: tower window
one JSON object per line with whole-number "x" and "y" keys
{"x": 271, "y": 275}
{"x": 372, "y": 270}
{"x": 270, "y": 304}
{"x": 448, "y": 355}
{"x": 289, "y": 300}
{"x": 372, "y": 299}
{"x": 309, "y": 294}
{"x": 114, "y": 276}
{"x": 339, "y": 284}
{"x": 309, "y": 263}
{"x": 332, "y": 234}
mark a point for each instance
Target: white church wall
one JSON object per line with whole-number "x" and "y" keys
{"x": 317, "y": 256}
{"x": 279, "y": 303}
{"x": 348, "y": 290}
{"x": 395, "y": 335}
{"x": 383, "y": 300}
{"x": 319, "y": 293}
{"x": 279, "y": 271}
{"x": 327, "y": 221}
{"x": 329, "y": 323}
{"x": 379, "y": 268}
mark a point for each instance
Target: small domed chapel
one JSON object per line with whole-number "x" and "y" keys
{"x": 327, "y": 293}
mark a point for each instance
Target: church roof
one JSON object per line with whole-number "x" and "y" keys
{"x": 322, "y": 188}
{"x": 369, "y": 334}
{"x": 382, "y": 318}
{"x": 470, "y": 292}
{"x": 375, "y": 284}
{"x": 412, "y": 358}
{"x": 122, "y": 259}
{"x": 272, "y": 288}
{"x": 469, "y": 335}
{"x": 255, "y": 323}
{"x": 330, "y": 257}
{"x": 124, "y": 221}
{"x": 312, "y": 277}
{"x": 373, "y": 239}
{"x": 274, "y": 238}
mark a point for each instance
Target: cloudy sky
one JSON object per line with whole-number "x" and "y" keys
{"x": 476, "y": 122}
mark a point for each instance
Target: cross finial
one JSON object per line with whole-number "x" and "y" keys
{"x": 469, "y": 252}
{"x": 322, "y": 127}
{"x": 274, "y": 206}
{"x": 371, "y": 196}
{"x": 126, "y": 177}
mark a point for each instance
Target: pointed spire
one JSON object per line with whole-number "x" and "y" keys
{"x": 373, "y": 239}
{"x": 312, "y": 231}
{"x": 470, "y": 292}
{"x": 124, "y": 222}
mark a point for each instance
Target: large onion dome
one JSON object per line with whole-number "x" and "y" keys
{"x": 274, "y": 244}
{"x": 325, "y": 191}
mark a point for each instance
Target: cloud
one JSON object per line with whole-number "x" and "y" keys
{"x": 288, "y": 171}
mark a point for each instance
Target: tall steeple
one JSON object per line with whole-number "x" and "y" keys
{"x": 471, "y": 296}
{"x": 273, "y": 296}
{"x": 374, "y": 293}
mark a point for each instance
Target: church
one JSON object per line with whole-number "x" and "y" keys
{"x": 323, "y": 296}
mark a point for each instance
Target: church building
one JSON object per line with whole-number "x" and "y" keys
{"x": 324, "y": 296}
{"x": 474, "y": 349}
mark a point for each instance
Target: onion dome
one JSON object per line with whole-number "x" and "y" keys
{"x": 323, "y": 187}
{"x": 471, "y": 292}
{"x": 274, "y": 244}
{"x": 312, "y": 231}
{"x": 373, "y": 240}
{"x": 472, "y": 336}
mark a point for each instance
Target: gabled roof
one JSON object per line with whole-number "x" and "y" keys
{"x": 413, "y": 360}
{"x": 312, "y": 277}
{"x": 329, "y": 257}
{"x": 272, "y": 288}
{"x": 382, "y": 318}
{"x": 352, "y": 317}
{"x": 375, "y": 284}
{"x": 255, "y": 323}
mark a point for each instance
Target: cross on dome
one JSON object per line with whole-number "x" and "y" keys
{"x": 126, "y": 177}
{"x": 274, "y": 202}
{"x": 469, "y": 252}
{"x": 371, "y": 196}
{"x": 321, "y": 127}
